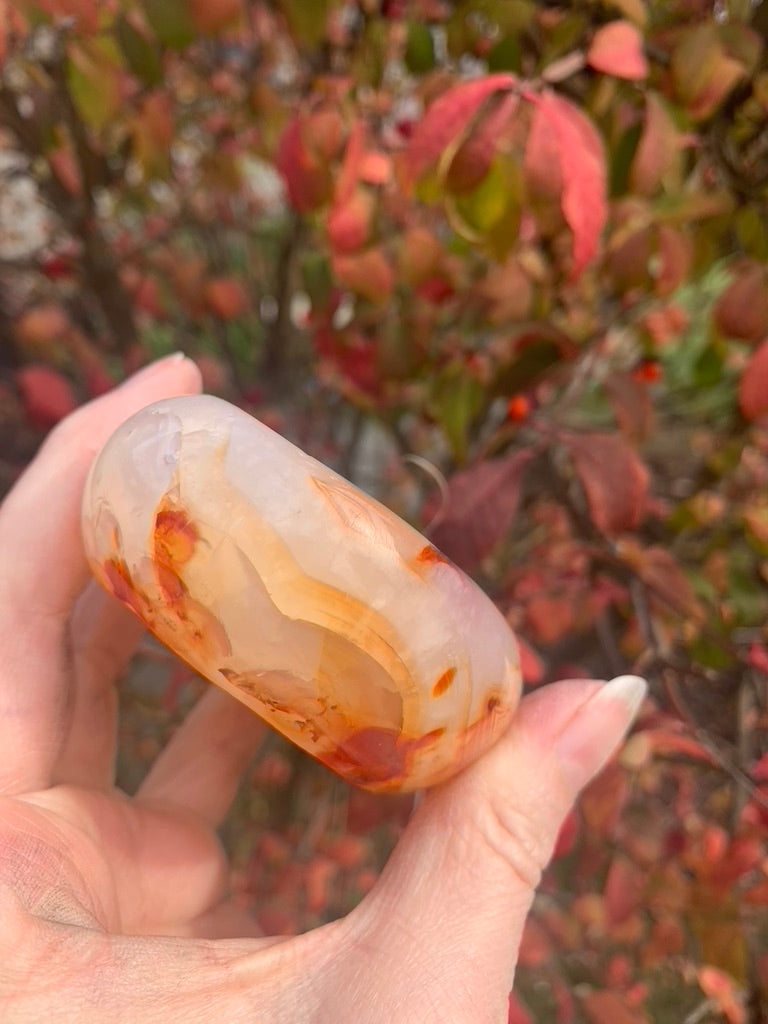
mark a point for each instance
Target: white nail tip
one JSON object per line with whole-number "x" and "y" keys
{"x": 628, "y": 690}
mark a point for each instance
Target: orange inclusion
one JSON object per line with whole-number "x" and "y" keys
{"x": 119, "y": 582}
{"x": 430, "y": 556}
{"x": 376, "y": 756}
{"x": 444, "y": 682}
{"x": 170, "y": 585}
{"x": 175, "y": 536}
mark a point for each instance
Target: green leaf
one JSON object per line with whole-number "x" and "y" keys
{"x": 317, "y": 279}
{"x": 419, "y": 49}
{"x": 490, "y": 214}
{"x": 93, "y": 76}
{"x": 456, "y": 400}
{"x": 506, "y": 55}
{"x": 141, "y": 56}
{"x": 170, "y": 21}
{"x": 307, "y": 21}
{"x": 623, "y": 155}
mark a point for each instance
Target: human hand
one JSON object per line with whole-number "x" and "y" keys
{"x": 115, "y": 909}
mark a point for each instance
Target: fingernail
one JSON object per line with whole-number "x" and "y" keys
{"x": 159, "y": 366}
{"x": 598, "y": 727}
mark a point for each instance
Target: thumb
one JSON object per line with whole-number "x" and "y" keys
{"x": 448, "y": 912}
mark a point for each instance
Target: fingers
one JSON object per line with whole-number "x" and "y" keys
{"x": 201, "y": 768}
{"x": 44, "y": 567}
{"x": 463, "y": 877}
{"x": 43, "y": 570}
{"x": 103, "y": 636}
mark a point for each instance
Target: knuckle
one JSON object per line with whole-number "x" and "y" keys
{"x": 513, "y": 835}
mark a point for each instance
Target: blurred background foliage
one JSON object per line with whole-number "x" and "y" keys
{"x": 504, "y": 264}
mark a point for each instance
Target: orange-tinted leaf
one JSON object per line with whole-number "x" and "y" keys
{"x": 479, "y": 508}
{"x": 631, "y": 402}
{"x": 47, "y": 395}
{"x": 624, "y": 889}
{"x": 447, "y": 119}
{"x": 518, "y": 1014}
{"x": 549, "y": 619}
{"x": 368, "y": 273}
{"x": 670, "y": 591}
{"x": 722, "y": 990}
{"x": 675, "y": 254}
{"x": 583, "y": 174}
{"x": 225, "y": 298}
{"x": 703, "y": 72}
{"x": 352, "y": 164}
{"x": 349, "y": 222}
{"x": 84, "y": 12}
{"x": 658, "y": 147}
{"x": 614, "y": 478}
{"x": 536, "y": 946}
{"x": 753, "y": 386}
{"x": 307, "y": 179}
{"x": 64, "y": 166}
{"x": 617, "y": 49}
{"x": 610, "y": 1008}
{"x": 40, "y": 330}
{"x": 153, "y": 132}
{"x": 213, "y": 16}
{"x": 531, "y": 665}
{"x": 419, "y": 256}
{"x": 12, "y": 26}
{"x": 542, "y": 159}
{"x": 742, "y": 310}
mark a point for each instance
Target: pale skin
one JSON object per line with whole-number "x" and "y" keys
{"x": 116, "y": 910}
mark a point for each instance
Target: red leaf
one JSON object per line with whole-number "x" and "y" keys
{"x": 225, "y": 298}
{"x": 742, "y": 309}
{"x": 614, "y": 478}
{"x": 617, "y": 49}
{"x": 517, "y": 1012}
{"x": 753, "y": 386}
{"x": 531, "y": 665}
{"x": 480, "y": 506}
{"x": 568, "y": 834}
{"x": 447, "y": 118}
{"x": 349, "y": 175}
{"x": 307, "y": 180}
{"x": 624, "y": 889}
{"x": 368, "y": 273}
{"x": 475, "y": 155}
{"x": 657, "y": 149}
{"x": 46, "y": 394}
{"x": 631, "y": 403}
{"x": 583, "y": 171}
{"x": 349, "y": 222}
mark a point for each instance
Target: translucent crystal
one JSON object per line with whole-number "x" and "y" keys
{"x": 291, "y": 589}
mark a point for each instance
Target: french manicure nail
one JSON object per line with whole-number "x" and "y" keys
{"x": 598, "y": 727}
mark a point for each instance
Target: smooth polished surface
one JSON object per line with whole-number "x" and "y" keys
{"x": 310, "y": 602}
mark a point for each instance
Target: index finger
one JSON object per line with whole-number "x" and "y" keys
{"x": 43, "y": 570}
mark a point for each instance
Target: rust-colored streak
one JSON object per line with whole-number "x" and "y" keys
{"x": 377, "y": 758}
{"x": 170, "y": 585}
{"x": 444, "y": 682}
{"x": 117, "y": 577}
{"x": 175, "y": 536}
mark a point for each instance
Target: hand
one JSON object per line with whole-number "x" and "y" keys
{"x": 115, "y": 909}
